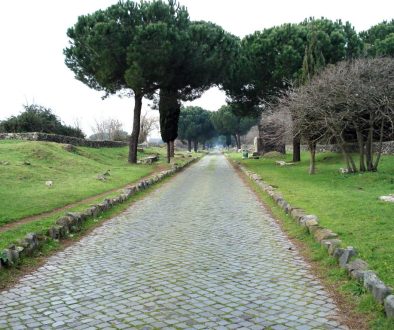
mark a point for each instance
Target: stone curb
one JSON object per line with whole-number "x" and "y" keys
{"x": 356, "y": 268}
{"x": 72, "y": 222}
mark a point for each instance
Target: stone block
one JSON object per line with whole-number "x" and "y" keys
{"x": 53, "y": 232}
{"x": 297, "y": 214}
{"x": 30, "y": 244}
{"x": 389, "y": 306}
{"x": 356, "y": 269}
{"x": 347, "y": 254}
{"x": 6, "y": 257}
{"x": 309, "y": 220}
{"x": 324, "y": 233}
{"x": 334, "y": 243}
{"x": 67, "y": 222}
{"x": 276, "y": 197}
{"x": 380, "y": 291}
{"x": 88, "y": 213}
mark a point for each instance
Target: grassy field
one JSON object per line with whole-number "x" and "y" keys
{"x": 347, "y": 204}
{"x": 74, "y": 174}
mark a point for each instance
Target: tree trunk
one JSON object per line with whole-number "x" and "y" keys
{"x": 195, "y": 142}
{"x": 172, "y": 148}
{"x": 380, "y": 147}
{"x": 312, "y": 163}
{"x": 297, "y": 148}
{"x": 360, "y": 140}
{"x": 133, "y": 143}
{"x": 189, "y": 145}
{"x": 238, "y": 138}
{"x": 168, "y": 152}
{"x": 369, "y": 145}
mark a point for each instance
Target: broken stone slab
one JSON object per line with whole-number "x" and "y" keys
{"x": 66, "y": 222}
{"x": 95, "y": 210}
{"x": 53, "y": 232}
{"x": 357, "y": 268}
{"x": 324, "y": 233}
{"x": 297, "y": 214}
{"x": 276, "y": 197}
{"x": 389, "y": 198}
{"x": 334, "y": 244}
{"x": 389, "y": 306}
{"x": 10, "y": 256}
{"x": 309, "y": 220}
{"x": 87, "y": 213}
{"x": 378, "y": 289}
{"x": 347, "y": 254}
{"x": 30, "y": 244}
{"x": 282, "y": 204}
{"x": 331, "y": 244}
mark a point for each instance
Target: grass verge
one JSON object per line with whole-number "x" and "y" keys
{"x": 25, "y": 166}
{"x": 361, "y": 311}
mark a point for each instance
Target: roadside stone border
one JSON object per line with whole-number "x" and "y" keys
{"x": 72, "y": 222}
{"x": 356, "y": 268}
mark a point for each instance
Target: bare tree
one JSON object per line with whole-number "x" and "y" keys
{"x": 276, "y": 126}
{"x": 148, "y": 125}
{"x": 109, "y": 129}
{"x": 351, "y": 102}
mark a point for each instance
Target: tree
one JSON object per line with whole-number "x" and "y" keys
{"x": 36, "y": 118}
{"x": 351, "y": 102}
{"x": 195, "y": 126}
{"x": 196, "y": 56}
{"x": 109, "y": 129}
{"x": 379, "y": 39}
{"x": 272, "y": 60}
{"x": 148, "y": 125}
{"x": 227, "y": 123}
{"x": 108, "y": 51}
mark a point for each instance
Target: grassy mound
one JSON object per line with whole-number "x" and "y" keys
{"x": 25, "y": 167}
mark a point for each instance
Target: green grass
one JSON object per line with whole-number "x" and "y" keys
{"x": 366, "y": 309}
{"x": 348, "y": 204}
{"x": 22, "y": 187}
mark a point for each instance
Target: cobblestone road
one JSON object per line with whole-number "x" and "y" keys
{"x": 198, "y": 253}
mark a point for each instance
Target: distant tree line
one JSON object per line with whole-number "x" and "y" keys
{"x": 153, "y": 50}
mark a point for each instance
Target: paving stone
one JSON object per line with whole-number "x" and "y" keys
{"x": 199, "y": 252}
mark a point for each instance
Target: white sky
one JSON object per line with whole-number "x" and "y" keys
{"x": 33, "y": 35}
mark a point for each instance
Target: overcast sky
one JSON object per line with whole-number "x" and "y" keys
{"x": 33, "y": 35}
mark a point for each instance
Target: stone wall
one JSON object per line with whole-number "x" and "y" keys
{"x": 388, "y": 148}
{"x": 36, "y": 136}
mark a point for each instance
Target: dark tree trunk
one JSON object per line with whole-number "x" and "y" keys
{"x": 189, "y": 145}
{"x": 238, "y": 139}
{"x": 312, "y": 164}
{"x": 380, "y": 147}
{"x": 361, "y": 145}
{"x": 369, "y": 151}
{"x": 168, "y": 152}
{"x": 296, "y": 148}
{"x": 172, "y": 148}
{"x": 195, "y": 142}
{"x": 133, "y": 144}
